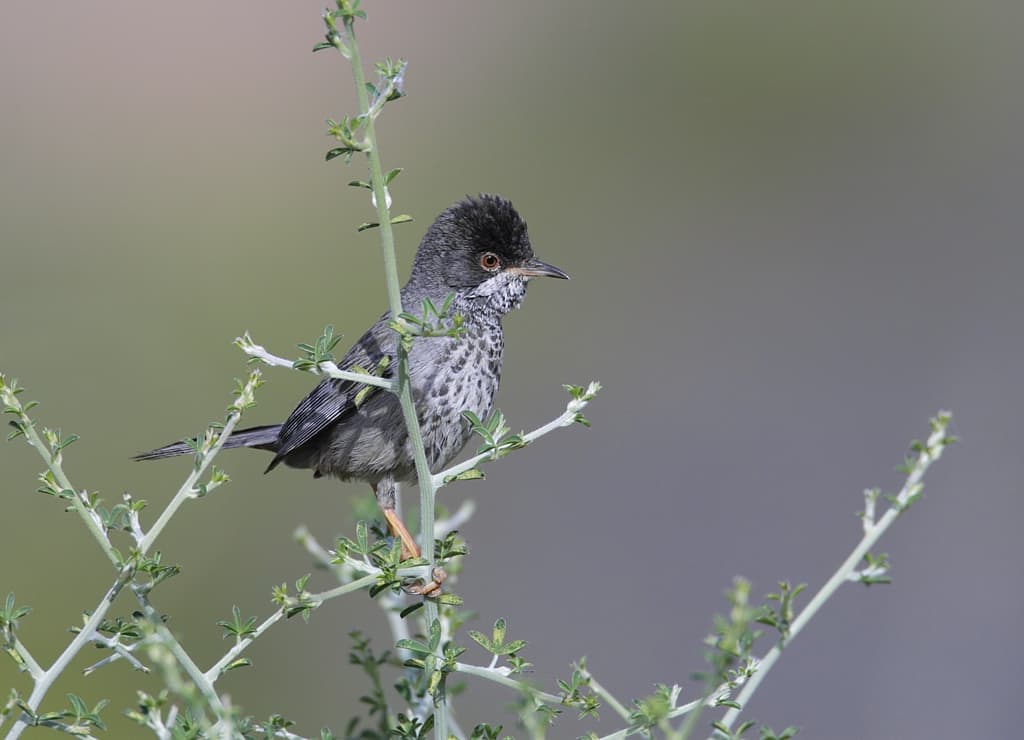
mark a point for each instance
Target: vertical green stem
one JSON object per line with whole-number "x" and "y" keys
{"x": 387, "y": 242}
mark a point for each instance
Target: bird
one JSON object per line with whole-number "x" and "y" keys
{"x": 477, "y": 256}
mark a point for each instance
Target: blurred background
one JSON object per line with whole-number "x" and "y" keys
{"x": 794, "y": 235}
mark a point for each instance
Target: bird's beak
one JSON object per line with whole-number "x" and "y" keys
{"x": 536, "y": 268}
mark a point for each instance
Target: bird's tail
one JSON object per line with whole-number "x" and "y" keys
{"x": 264, "y": 438}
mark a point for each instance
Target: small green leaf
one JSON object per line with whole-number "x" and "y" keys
{"x": 362, "y": 394}
{"x": 482, "y": 640}
{"x": 513, "y": 647}
{"x": 323, "y": 45}
{"x": 498, "y": 633}
{"x": 471, "y": 474}
{"x": 78, "y": 705}
{"x": 414, "y": 646}
{"x": 411, "y": 609}
{"x": 435, "y": 634}
{"x": 362, "y": 538}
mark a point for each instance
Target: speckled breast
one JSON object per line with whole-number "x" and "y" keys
{"x": 465, "y": 377}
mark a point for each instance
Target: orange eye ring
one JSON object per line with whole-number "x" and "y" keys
{"x": 490, "y": 261}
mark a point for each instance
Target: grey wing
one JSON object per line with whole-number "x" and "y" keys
{"x": 332, "y": 400}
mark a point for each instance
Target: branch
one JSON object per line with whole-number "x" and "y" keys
{"x": 327, "y": 369}
{"x": 570, "y": 416}
{"x": 51, "y": 455}
{"x": 34, "y": 669}
{"x": 211, "y": 446}
{"x": 169, "y": 641}
{"x": 119, "y": 652}
{"x": 83, "y": 638}
{"x": 679, "y": 711}
{"x": 315, "y": 601}
{"x": 927, "y": 453}
{"x": 604, "y": 693}
{"x": 501, "y": 676}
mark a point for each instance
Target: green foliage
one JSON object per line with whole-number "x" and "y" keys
{"x": 10, "y": 614}
{"x": 238, "y": 628}
{"x": 580, "y": 397}
{"x": 363, "y": 393}
{"x": 152, "y": 566}
{"x": 433, "y": 321}
{"x": 875, "y": 570}
{"x": 485, "y": 731}
{"x": 402, "y": 219}
{"x": 576, "y": 693}
{"x": 496, "y": 435}
{"x": 768, "y": 734}
{"x": 780, "y": 618}
{"x": 654, "y": 710}
{"x": 320, "y": 351}
{"x": 77, "y": 719}
{"x": 496, "y": 644}
{"x": 302, "y": 602}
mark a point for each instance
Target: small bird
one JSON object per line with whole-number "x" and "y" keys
{"x": 477, "y": 251}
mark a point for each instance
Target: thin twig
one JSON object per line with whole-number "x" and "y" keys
{"x": 188, "y": 488}
{"x": 501, "y": 676}
{"x": 55, "y": 466}
{"x": 327, "y": 368}
{"x": 34, "y": 669}
{"x": 567, "y": 418}
{"x": 605, "y": 694}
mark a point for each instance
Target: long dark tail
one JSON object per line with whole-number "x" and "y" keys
{"x": 263, "y": 438}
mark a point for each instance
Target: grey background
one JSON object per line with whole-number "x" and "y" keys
{"x": 794, "y": 234}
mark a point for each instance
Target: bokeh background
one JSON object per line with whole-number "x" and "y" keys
{"x": 794, "y": 234}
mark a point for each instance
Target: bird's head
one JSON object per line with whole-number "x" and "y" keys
{"x": 479, "y": 249}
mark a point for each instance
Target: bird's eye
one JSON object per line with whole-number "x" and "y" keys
{"x": 490, "y": 261}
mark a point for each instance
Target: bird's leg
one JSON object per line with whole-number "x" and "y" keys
{"x": 385, "y": 494}
{"x": 409, "y": 547}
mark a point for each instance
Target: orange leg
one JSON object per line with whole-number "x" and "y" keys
{"x": 410, "y": 549}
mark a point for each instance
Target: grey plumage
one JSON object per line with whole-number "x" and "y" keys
{"x": 480, "y": 251}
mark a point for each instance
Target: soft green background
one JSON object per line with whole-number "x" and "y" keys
{"x": 794, "y": 231}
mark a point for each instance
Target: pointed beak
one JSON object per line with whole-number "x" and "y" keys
{"x": 536, "y": 268}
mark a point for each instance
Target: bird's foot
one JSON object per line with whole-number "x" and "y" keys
{"x": 430, "y": 589}
{"x": 410, "y": 551}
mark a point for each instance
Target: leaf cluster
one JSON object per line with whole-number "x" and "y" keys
{"x": 497, "y": 438}
{"x": 302, "y": 602}
{"x": 433, "y": 321}
{"x": 76, "y": 719}
{"x": 383, "y": 556}
{"x": 319, "y": 352}
{"x": 434, "y": 660}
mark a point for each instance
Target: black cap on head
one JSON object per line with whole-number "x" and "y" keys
{"x": 450, "y": 251}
